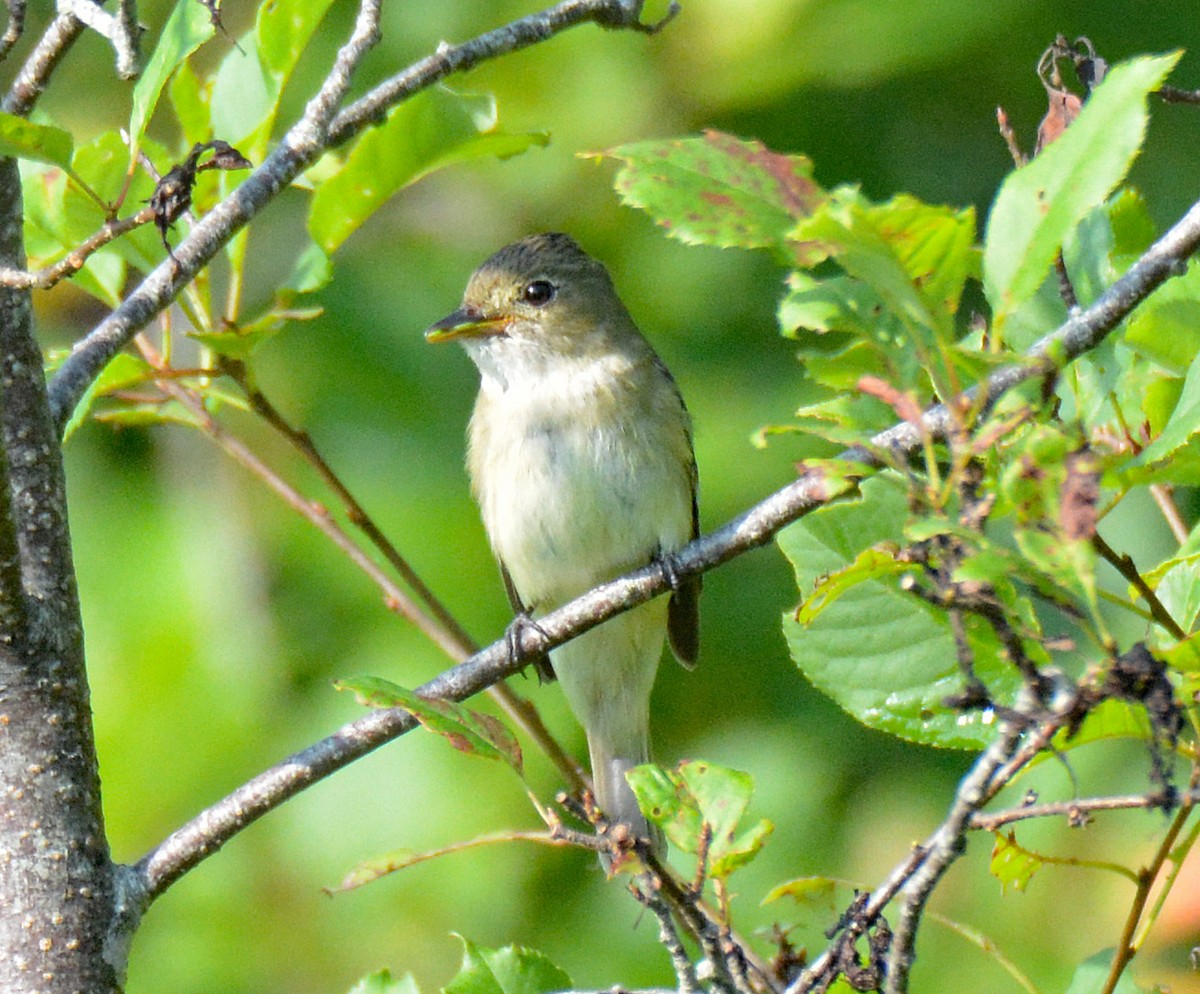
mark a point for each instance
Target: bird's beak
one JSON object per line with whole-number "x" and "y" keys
{"x": 466, "y": 322}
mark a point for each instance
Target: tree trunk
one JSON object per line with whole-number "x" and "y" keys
{"x": 56, "y": 878}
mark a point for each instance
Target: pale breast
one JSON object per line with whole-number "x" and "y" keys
{"x": 582, "y": 482}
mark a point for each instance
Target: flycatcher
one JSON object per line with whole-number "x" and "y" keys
{"x": 580, "y": 456}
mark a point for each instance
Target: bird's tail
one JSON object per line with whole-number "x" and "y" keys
{"x": 614, "y": 796}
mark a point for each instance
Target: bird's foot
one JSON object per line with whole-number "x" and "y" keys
{"x": 667, "y": 565}
{"x": 512, "y": 644}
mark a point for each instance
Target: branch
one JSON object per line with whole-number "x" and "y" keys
{"x": 316, "y": 131}
{"x": 35, "y": 74}
{"x": 76, "y": 259}
{"x": 1076, "y": 812}
{"x": 121, "y": 30}
{"x": 16, "y": 27}
{"x": 215, "y": 826}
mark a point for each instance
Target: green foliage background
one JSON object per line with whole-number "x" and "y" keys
{"x": 216, "y": 619}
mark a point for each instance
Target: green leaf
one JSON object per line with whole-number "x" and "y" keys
{"x": 698, "y": 794}
{"x": 1180, "y": 429}
{"x": 40, "y": 142}
{"x": 188, "y": 27}
{"x": 511, "y": 970}
{"x": 883, "y": 655}
{"x": 1092, "y": 973}
{"x": 191, "y": 99}
{"x": 468, "y": 731}
{"x": 717, "y": 189}
{"x": 284, "y": 30}
{"x": 1046, "y": 466}
{"x": 871, "y": 564}
{"x": 381, "y": 982}
{"x": 433, "y": 129}
{"x": 1041, "y": 202}
{"x": 1177, "y": 584}
{"x": 806, "y": 891}
{"x": 1011, "y": 864}
{"x": 122, "y": 371}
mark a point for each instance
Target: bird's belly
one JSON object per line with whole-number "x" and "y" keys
{"x": 568, "y": 506}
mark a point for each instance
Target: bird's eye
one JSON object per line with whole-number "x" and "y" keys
{"x": 539, "y": 292}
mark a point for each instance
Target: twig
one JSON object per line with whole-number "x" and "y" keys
{"x": 455, "y": 640}
{"x": 76, "y": 259}
{"x": 1124, "y": 565}
{"x": 120, "y": 30}
{"x": 35, "y": 74}
{"x": 1174, "y": 95}
{"x": 943, "y": 848}
{"x": 15, "y": 28}
{"x": 1074, "y": 811}
{"x": 306, "y": 141}
{"x": 1165, "y": 499}
{"x": 1125, "y": 948}
{"x": 668, "y": 936}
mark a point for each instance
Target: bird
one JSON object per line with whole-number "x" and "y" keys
{"x": 581, "y": 459}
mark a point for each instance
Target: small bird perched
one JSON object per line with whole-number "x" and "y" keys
{"x": 580, "y": 456}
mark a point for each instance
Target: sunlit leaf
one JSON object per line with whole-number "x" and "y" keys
{"x": 698, "y": 797}
{"x": 511, "y": 970}
{"x": 1041, "y": 202}
{"x": 885, "y": 656}
{"x": 382, "y": 982}
{"x": 1011, "y": 864}
{"x": 188, "y": 27}
{"x": 433, "y": 129}
{"x": 717, "y": 189}
{"x": 468, "y": 731}
{"x": 23, "y": 139}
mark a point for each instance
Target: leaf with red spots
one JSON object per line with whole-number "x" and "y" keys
{"x": 468, "y": 731}
{"x": 717, "y": 189}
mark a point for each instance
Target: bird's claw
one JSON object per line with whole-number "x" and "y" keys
{"x": 521, "y": 622}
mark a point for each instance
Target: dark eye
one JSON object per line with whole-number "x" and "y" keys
{"x": 539, "y": 292}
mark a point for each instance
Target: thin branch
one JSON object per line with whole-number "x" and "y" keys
{"x": 35, "y": 74}
{"x": 755, "y": 527}
{"x": 452, "y": 638}
{"x": 1164, "y": 497}
{"x": 121, "y": 30}
{"x": 1076, "y": 812}
{"x": 15, "y": 28}
{"x": 76, "y": 259}
{"x": 373, "y": 107}
{"x": 1174, "y": 95}
{"x": 1126, "y": 950}
{"x": 307, "y": 140}
{"x": 942, "y": 849}
{"x": 1125, "y": 565}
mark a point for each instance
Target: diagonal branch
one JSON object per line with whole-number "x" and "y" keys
{"x": 215, "y": 826}
{"x": 316, "y": 131}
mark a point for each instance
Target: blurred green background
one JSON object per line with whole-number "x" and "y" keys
{"x": 216, "y": 619}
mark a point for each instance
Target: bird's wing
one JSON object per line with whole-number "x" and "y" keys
{"x": 683, "y": 611}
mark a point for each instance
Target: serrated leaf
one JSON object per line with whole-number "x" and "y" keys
{"x": 1041, "y": 202}
{"x": 188, "y": 27}
{"x": 698, "y": 794}
{"x": 150, "y": 415}
{"x": 717, "y": 189}
{"x": 1177, "y": 585}
{"x": 468, "y": 731}
{"x": 1011, "y": 864}
{"x": 883, "y": 655}
{"x": 510, "y": 970}
{"x": 435, "y": 128}
{"x": 870, "y": 564}
{"x": 23, "y": 139}
{"x": 381, "y": 982}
